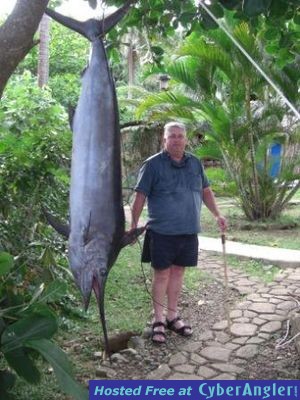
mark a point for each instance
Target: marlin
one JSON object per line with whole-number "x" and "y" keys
{"x": 97, "y": 224}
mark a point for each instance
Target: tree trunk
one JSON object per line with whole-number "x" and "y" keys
{"x": 16, "y": 36}
{"x": 43, "y": 62}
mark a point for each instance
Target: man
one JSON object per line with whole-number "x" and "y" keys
{"x": 175, "y": 185}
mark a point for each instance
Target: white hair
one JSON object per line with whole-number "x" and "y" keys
{"x": 173, "y": 124}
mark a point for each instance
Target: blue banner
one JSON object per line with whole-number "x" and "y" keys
{"x": 194, "y": 390}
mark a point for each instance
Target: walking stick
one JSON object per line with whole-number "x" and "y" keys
{"x": 227, "y": 308}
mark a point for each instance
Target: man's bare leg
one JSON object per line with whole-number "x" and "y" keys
{"x": 173, "y": 292}
{"x": 159, "y": 290}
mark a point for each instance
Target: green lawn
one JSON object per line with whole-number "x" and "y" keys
{"x": 283, "y": 232}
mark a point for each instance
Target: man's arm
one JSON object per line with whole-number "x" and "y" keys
{"x": 137, "y": 208}
{"x": 210, "y": 202}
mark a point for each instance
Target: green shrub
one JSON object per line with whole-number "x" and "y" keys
{"x": 27, "y": 326}
{"x": 221, "y": 184}
{"x": 35, "y": 145}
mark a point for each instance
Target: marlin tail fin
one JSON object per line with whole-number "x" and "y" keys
{"x": 91, "y": 28}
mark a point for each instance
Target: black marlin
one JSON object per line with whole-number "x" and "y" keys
{"x": 97, "y": 223}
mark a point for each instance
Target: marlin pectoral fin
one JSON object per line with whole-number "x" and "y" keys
{"x": 61, "y": 228}
{"x": 131, "y": 235}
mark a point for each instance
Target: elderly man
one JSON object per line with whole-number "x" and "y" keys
{"x": 174, "y": 183}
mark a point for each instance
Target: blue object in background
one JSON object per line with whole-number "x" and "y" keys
{"x": 275, "y": 158}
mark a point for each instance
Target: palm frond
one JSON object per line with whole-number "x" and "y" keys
{"x": 165, "y": 99}
{"x": 208, "y": 55}
{"x": 208, "y": 150}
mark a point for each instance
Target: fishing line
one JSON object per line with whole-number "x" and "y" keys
{"x": 252, "y": 61}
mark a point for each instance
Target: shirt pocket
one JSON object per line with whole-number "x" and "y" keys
{"x": 195, "y": 182}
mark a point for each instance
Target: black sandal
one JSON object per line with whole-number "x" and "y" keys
{"x": 156, "y": 333}
{"x": 180, "y": 331}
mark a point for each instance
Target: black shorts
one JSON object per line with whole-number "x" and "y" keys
{"x": 166, "y": 250}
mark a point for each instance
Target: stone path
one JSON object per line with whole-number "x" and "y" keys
{"x": 220, "y": 354}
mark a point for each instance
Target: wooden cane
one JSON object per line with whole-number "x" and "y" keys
{"x": 227, "y": 308}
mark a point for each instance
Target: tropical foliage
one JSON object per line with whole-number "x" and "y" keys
{"x": 34, "y": 161}
{"x": 213, "y": 82}
{"x": 27, "y": 325}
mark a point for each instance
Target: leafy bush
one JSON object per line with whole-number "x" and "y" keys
{"x": 27, "y": 325}
{"x": 221, "y": 184}
{"x": 35, "y": 144}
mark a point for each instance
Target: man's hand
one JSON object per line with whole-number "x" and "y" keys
{"x": 222, "y": 222}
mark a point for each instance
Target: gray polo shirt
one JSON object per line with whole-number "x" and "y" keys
{"x": 174, "y": 193}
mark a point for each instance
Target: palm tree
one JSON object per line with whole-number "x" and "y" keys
{"x": 213, "y": 81}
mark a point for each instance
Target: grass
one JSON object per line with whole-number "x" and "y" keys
{"x": 128, "y": 308}
{"x": 266, "y": 273}
{"x": 283, "y": 232}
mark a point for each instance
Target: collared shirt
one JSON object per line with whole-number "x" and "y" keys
{"x": 174, "y": 193}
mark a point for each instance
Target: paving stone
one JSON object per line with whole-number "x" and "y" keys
{"x": 258, "y": 321}
{"x": 227, "y": 367}
{"x": 272, "y": 317}
{"x": 271, "y": 327}
{"x": 255, "y": 340}
{"x": 262, "y": 308}
{"x": 222, "y": 337}
{"x": 224, "y": 377}
{"x": 232, "y": 346}
{"x": 266, "y": 296}
{"x": 185, "y": 368}
{"x": 239, "y": 361}
{"x": 240, "y": 340}
{"x": 243, "y": 329}
{"x": 220, "y": 326}
{"x": 247, "y": 351}
{"x": 279, "y": 291}
{"x": 213, "y": 343}
{"x": 177, "y": 359}
{"x": 287, "y": 305}
{"x": 291, "y": 287}
{"x": 160, "y": 373}
{"x": 192, "y": 347}
{"x": 241, "y": 320}
{"x": 206, "y": 335}
{"x": 236, "y": 314}
{"x": 216, "y": 353}
{"x": 261, "y": 289}
{"x": 244, "y": 282}
{"x": 244, "y": 305}
{"x": 275, "y": 301}
{"x": 198, "y": 360}
{"x": 184, "y": 377}
{"x": 256, "y": 298}
{"x": 295, "y": 277}
{"x": 249, "y": 314}
{"x": 264, "y": 335}
{"x": 282, "y": 313}
{"x": 206, "y": 372}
